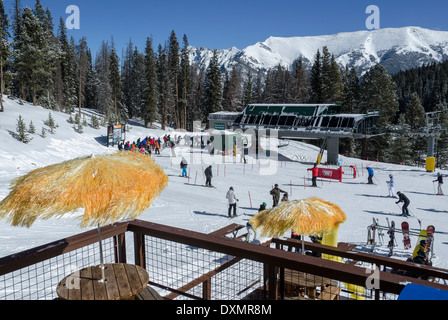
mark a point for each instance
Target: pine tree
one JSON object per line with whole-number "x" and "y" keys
{"x": 197, "y": 88}
{"x": 90, "y": 89}
{"x": 115, "y": 83}
{"x": 30, "y": 59}
{"x": 31, "y": 128}
{"x": 18, "y": 87}
{"x": 316, "y": 82}
{"x": 248, "y": 90}
{"x": 335, "y": 87}
{"x": 173, "y": 71}
{"x": 213, "y": 86}
{"x": 50, "y": 122}
{"x": 299, "y": 83}
{"x": 378, "y": 92}
{"x": 4, "y": 50}
{"x": 164, "y": 87}
{"x": 83, "y": 69}
{"x": 95, "y": 123}
{"x": 22, "y": 134}
{"x": 442, "y": 141}
{"x": 185, "y": 86}
{"x": 150, "y": 112}
{"x": 102, "y": 81}
{"x": 128, "y": 82}
{"x": 52, "y": 52}
{"x": 415, "y": 114}
{"x": 280, "y": 84}
{"x": 68, "y": 84}
{"x": 400, "y": 147}
{"x": 350, "y": 91}
{"x": 232, "y": 94}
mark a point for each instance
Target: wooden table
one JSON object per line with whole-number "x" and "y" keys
{"x": 122, "y": 282}
{"x": 305, "y": 280}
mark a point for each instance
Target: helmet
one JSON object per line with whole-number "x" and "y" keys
{"x": 264, "y": 204}
{"x": 276, "y": 185}
{"x": 390, "y": 176}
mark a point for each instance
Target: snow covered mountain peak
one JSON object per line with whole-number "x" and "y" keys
{"x": 395, "y": 48}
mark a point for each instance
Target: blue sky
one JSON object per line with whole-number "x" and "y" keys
{"x": 240, "y": 23}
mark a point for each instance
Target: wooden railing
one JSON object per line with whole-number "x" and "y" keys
{"x": 272, "y": 257}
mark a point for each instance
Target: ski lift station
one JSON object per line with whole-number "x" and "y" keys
{"x": 299, "y": 121}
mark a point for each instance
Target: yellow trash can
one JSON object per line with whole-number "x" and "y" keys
{"x": 430, "y": 164}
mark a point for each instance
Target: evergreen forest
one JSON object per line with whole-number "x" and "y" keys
{"x": 40, "y": 64}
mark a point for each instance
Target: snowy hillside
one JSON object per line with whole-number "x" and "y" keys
{"x": 185, "y": 203}
{"x": 396, "y": 49}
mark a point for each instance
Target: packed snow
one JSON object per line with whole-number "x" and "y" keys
{"x": 186, "y": 203}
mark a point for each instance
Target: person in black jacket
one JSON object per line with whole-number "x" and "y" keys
{"x": 208, "y": 176}
{"x": 405, "y": 200}
{"x": 440, "y": 181}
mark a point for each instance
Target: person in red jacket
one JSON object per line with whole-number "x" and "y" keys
{"x": 315, "y": 172}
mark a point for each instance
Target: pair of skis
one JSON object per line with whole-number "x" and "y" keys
{"x": 390, "y": 231}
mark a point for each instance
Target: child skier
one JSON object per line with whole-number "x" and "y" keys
{"x": 391, "y": 184}
{"x": 183, "y": 166}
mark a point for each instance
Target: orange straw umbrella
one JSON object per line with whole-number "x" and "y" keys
{"x": 109, "y": 188}
{"x": 312, "y": 216}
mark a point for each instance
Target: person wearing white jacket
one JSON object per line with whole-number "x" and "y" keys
{"x": 232, "y": 202}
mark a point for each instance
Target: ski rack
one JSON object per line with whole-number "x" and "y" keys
{"x": 371, "y": 230}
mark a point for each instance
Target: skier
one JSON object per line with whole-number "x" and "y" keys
{"x": 208, "y": 176}
{"x": 440, "y": 181}
{"x": 285, "y": 198}
{"x": 183, "y": 166}
{"x": 276, "y": 194}
{"x": 232, "y": 202}
{"x": 405, "y": 200}
{"x": 370, "y": 179}
{"x": 315, "y": 173}
{"x": 391, "y": 184}
{"x": 262, "y": 207}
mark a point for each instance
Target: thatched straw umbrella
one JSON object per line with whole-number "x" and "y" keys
{"x": 312, "y": 216}
{"x": 109, "y": 188}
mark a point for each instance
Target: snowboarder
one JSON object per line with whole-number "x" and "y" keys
{"x": 315, "y": 174}
{"x": 391, "y": 184}
{"x": 370, "y": 179}
{"x": 183, "y": 166}
{"x": 405, "y": 200}
{"x": 208, "y": 176}
{"x": 275, "y": 193}
{"x": 440, "y": 181}
{"x": 232, "y": 202}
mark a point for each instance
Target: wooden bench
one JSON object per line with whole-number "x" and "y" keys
{"x": 330, "y": 293}
{"x": 148, "y": 294}
{"x": 233, "y": 228}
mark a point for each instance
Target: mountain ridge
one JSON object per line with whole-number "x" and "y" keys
{"x": 395, "y": 48}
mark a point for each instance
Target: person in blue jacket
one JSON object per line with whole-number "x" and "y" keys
{"x": 370, "y": 179}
